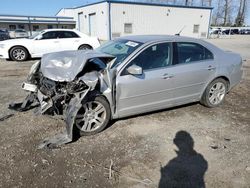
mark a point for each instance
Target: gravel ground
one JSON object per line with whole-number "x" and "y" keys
{"x": 141, "y": 148}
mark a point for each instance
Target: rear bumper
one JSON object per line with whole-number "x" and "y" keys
{"x": 236, "y": 78}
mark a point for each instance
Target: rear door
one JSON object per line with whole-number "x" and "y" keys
{"x": 69, "y": 40}
{"x": 47, "y": 44}
{"x": 193, "y": 68}
{"x": 150, "y": 91}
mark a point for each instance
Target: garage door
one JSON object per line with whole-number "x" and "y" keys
{"x": 92, "y": 25}
{"x": 80, "y": 21}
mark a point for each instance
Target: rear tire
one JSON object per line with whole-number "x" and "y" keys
{"x": 215, "y": 93}
{"x": 19, "y": 54}
{"x": 94, "y": 116}
{"x": 85, "y": 47}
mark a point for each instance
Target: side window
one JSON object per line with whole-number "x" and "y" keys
{"x": 50, "y": 26}
{"x": 208, "y": 54}
{"x": 128, "y": 28}
{"x": 156, "y": 56}
{"x": 50, "y": 35}
{"x": 35, "y": 27}
{"x": 196, "y": 28}
{"x": 68, "y": 34}
{"x": 12, "y": 27}
{"x": 191, "y": 52}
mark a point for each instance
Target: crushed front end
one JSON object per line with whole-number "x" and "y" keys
{"x": 58, "y": 85}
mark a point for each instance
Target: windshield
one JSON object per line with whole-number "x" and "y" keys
{"x": 121, "y": 49}
{"x": 35, "y": 35}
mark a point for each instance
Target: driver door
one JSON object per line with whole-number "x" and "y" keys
{"x": 48, "y": 43}
{"x": 152, "y": 90}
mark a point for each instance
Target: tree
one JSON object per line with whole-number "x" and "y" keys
{"x": 206, "y": 3}
{"x": 240, "y": 18}
{"x": 210, "y": 3}
{"x": 223, "y": 13}
{"x": 217, "y": 13}
{"x": 226, "y": 11}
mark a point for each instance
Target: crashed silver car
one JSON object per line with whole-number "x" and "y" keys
{"x": 128, "y": 76}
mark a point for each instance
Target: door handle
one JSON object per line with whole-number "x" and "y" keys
{"x": 56, "y": 41}
{"x": 211, "y": 68}
{"x": 167, "y": 76}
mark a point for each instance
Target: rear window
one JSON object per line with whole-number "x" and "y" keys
{"x": 192, "y": 52}
{"x": 68, "y": 34}
{"x": 20, "y": 31}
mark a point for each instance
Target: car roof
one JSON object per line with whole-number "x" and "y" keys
{"x": 157, "y": 38}
{"x": 20, "y": 30}
{"x": 58, "y": 29}
{"x": 148, "y": 39}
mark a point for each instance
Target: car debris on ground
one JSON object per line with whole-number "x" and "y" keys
{"x": 59, "y": 84}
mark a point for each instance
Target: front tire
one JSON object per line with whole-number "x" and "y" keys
{"x": 19, "y": 54}
{"x": 85, "y": 47}
{"x": 94, "y": 116}
{"x": 215, "y": 93}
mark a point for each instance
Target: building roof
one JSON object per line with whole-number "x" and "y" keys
{"x": 142, "y": 2}
{"x": 25, "y": 16}
{"x": 36, "y": 19}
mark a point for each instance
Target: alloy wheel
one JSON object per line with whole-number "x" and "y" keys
{"x": 217, "y": 93}
{"x": 19, "y": 54}
{"x": 91, "y": 117}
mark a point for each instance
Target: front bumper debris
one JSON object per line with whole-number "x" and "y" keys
{"x": 59, "y": 86}
{"x": 29, "y": 87}
{"x": 27, "y": 104}
{"x": 39, "y": 100}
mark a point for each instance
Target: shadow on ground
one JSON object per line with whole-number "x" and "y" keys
{"x": 187, "y": 170}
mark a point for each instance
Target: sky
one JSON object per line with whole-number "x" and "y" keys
{"x": 37, "y": 7}
{"x": 47, "y": 7}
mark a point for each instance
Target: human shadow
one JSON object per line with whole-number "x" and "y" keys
{"x": 187, "y": 170}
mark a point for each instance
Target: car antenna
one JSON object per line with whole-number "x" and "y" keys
{"x": 178, "y": 34}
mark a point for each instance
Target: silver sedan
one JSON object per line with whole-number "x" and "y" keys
{"x": 157, "y": 72}
{"x": 128, "y": 76}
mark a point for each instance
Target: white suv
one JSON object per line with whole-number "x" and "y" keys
{"x": 46, "y": 41}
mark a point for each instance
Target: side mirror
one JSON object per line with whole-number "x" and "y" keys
{"x": 134, "y": 70}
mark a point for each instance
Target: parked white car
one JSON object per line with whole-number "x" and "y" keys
{"x": 19, "y": 33}
{"x": 46, "y": 41}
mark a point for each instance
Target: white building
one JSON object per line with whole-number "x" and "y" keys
{"x": 108, "y": 19}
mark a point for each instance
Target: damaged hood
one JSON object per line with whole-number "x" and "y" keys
{"x": 65, "y": 65}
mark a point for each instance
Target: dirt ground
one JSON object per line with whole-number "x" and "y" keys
{"x": 141, "y": 148}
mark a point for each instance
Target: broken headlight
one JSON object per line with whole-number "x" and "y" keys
{"x": 47, "y": 86}
{"x": 75, "y": 86}
{"x": 34, "y": 69}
